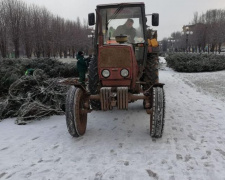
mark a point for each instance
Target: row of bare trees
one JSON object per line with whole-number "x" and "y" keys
{"x": 205, "y": 34}
{"x": 34, "y": 31}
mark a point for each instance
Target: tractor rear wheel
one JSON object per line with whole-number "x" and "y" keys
{"x": 150, "y": 75}
{"x": 158, "y": 112}
{"x": 93, "y": 83}
{"x": 76, "y": 116}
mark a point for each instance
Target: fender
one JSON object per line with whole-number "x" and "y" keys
{"x": 147, "y": 92}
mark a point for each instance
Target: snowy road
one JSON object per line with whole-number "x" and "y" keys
{"x": 117, "y": 145}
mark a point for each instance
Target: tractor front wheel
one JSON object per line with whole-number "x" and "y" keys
{"x": 76, "y": 116}
{"x": 93, "y": 83}
{"x": 158, "y": 112}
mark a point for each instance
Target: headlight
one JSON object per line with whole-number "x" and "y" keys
{"x": 124, "y": 72}
{"x": 105, "y": 73}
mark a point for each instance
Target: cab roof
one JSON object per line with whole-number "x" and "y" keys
{"x": 119, "y": 4}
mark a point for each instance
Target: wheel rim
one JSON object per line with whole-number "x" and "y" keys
{"x": 80, "y": 116}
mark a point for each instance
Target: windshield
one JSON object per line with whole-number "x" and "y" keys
{"x": 125, "y": 21}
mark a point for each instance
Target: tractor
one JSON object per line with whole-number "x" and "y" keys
{"x": 123, "y": 69}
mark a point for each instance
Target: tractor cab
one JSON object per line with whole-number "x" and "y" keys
{"x": 123, "y": 23}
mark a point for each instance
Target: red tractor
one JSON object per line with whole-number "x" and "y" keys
{"x": 124, "y": 68}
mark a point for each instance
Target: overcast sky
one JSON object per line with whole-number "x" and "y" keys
{"x": 173, "y": 14}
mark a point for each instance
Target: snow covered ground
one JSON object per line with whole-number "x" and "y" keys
{"x": 207, "y": 82}
{"x": 68, "y": 60}
{"x": 117, "y": 145}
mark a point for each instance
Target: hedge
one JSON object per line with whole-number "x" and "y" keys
{"x": 187, "y": 62}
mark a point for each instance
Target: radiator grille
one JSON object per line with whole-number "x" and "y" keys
{"x": 115, "y": 57}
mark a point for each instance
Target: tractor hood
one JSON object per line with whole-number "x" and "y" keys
{"x": 119, "y": 62}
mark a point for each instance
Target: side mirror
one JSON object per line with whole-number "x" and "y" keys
{"x": 155, "y": 19}
{"x": 91, "y": 19}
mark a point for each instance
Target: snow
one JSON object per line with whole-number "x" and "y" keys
{"x": 117, "y": 144}
{"x": 68, "y": 60}
{"x": 162, "y": 60}
{"x": 207, "y": 82}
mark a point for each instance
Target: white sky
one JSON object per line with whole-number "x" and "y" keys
{"x": 173, "y": 14}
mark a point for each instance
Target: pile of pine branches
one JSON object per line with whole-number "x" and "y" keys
{"x": 13, "y": 69}
{"x": 34, "y": 96}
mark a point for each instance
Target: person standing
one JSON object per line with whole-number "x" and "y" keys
{"x": 81, "y": 67}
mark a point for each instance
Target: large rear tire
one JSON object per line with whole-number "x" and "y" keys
{"x": 93, "y": 83}
{"x": 150, "y": 75}
{"x": 158, "y": 112}
{"x": 76, "y": 118}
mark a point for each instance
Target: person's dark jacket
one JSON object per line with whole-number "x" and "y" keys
{"x": 125, "y": 31}
{"x": 81, "y": 64}
{"x": 29, "y": 72}
{"x": 88, "y": 60}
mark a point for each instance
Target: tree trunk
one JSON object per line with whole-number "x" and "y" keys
{"x": 60, "y": 54}
{"x": 73, "y": 53}
{"x": 219, "y": 48}
{"x": 28, "y": 51}
{"x": 17, "y": 48}
{"x": 3, "y": 49}
{"x": 212, "y": 48}
{"x": 69, "y": 53}
{"x": 49, "y": 53}
{"x": 65, "y": 54}
{"x": 38, "y": 54}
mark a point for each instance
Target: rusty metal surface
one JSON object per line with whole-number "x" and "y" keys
{"x": 115, "y": 56}
{"x": 116, "y": 83}
{"x": 137, "y": 96}
{"x": 95, "y": 97}
{"x": 105, "y": 98}
{"x": 122, "y": 98}
{"x": 118, "y": 97}
{"x": 69, "y": 81}
{"x": 74, "y": 82}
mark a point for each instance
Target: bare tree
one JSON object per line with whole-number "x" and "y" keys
{"x": 164, "y": 44}
{"x": 3, "y": 30}
{"x": 214, "y": 21}
{"x": 198, "y": 38}
{"x": 15, "y": 13}
{"x": 27, "y": 32}
{"x": 35, "y": 30}
{"x": 208, "y": 30}
{"x": 178, "y": 42}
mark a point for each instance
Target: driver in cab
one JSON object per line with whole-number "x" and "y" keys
{"x": 126, "y": 29}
